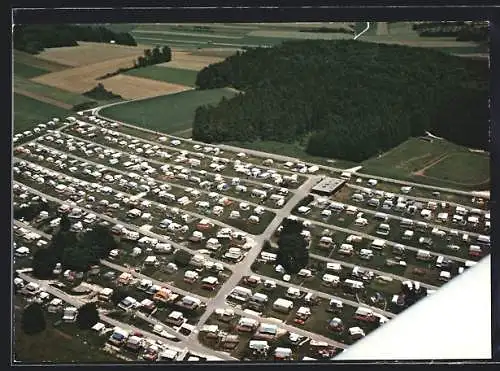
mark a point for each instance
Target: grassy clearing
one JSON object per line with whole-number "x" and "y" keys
{"x": 171, "y": 75}
{"x": 30, "y": 112}
{"x": 462, "y": 167}
{"x": 72, "y": 345}
{"x": 168, "y": 113}
{"x": 49, "y": 91}
{"x": 28, "y": 71}
{"x": 417, "y": 155}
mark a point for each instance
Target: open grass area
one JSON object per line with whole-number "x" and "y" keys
{"x": 72, "y": 345}
{"x": 462, "y": 168}
{"x": 28, "y": 71}
{"x": 29, "y": 112}
{"x": 172, "y": 75}
{"x": 23, "y": 84}
{"x": 416, "y": 160}
{"x": 168, "y": 113}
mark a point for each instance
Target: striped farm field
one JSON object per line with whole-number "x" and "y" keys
{"x": 28, "y": 71}
{"x": 35, "y": 61}
{"x": 171, "y": 75}
{"x": 25, "y": 85}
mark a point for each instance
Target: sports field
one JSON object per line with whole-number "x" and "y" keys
{"x": 169, "y": 113}
{"x": 29, "y": 112}
{"x": 171, "y": 75}
{"x": 439, "y": 163}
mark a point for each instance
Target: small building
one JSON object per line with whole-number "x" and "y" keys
{"x": 328, "y": 186}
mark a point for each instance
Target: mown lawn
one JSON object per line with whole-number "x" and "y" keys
{"x": 167, "y": 74}
{"x": 461, "y": 167}
{"x": 29, "y": 112}
{"x": 168, "y": 113}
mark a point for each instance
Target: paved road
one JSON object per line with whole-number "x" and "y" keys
{"x": 77, "y": 301}
{"x": 243, "y": 268}
{"x": 179, "y": 347}
{"x": 141, "y": 276}
{"x": 389, "y": 243}
{"x": 324, "y": 295}
{"x": 297, "y": 330}
{"x": 126, "y": 225}
{"x": 177, "y": 150}
{"x": 121, "y": 268}
{"x": 123, "y": 172}
{"x": 397, "y": 217}
{"x": 363, "y": 31}
{"x": 192, "y": 213}
{"x": 273, "y": 156}
{"x": 416, "y": 198}
{"x": 380, "y": 273}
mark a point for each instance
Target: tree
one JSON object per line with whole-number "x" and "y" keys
{"x": 292, "y": 253}
{"x": 65, "y": 223}
{"x": 156, "y": 56}
{"x": 182, "y": 258}
{"x": 167, "y": 53}
{"x": 33, "y": 319}
{"x": 141, "y": 61}
{"x": 43, "y": 263}
{"x": 119, "y": 294}
{"x": 87, "y": 316}
{"x": 286, "y": 102}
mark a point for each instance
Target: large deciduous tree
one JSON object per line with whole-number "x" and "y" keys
{"x": 292, "y": 253}
{"x": 87, "y": 316}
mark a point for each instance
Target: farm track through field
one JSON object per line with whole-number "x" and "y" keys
{"x": 404, "y": 163}
{"x": 421, "y": 172}
{"x": 44, "y": 99}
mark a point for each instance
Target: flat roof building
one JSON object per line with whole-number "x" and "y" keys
{"x": 328, "y": 186}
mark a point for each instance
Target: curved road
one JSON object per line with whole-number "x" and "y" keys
{"x": 95, "y": 111}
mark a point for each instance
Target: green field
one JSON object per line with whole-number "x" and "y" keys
{"x": 49, "y": 91}
{"x": 29, "y": 112}
{"x": 28, "y": 71}
{"x": 171, "y": 75}
{"x": 460, "y": 169}
{"x": 168, "y": 113}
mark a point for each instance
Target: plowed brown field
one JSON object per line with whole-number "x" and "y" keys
{"x": 188, "y": 61}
